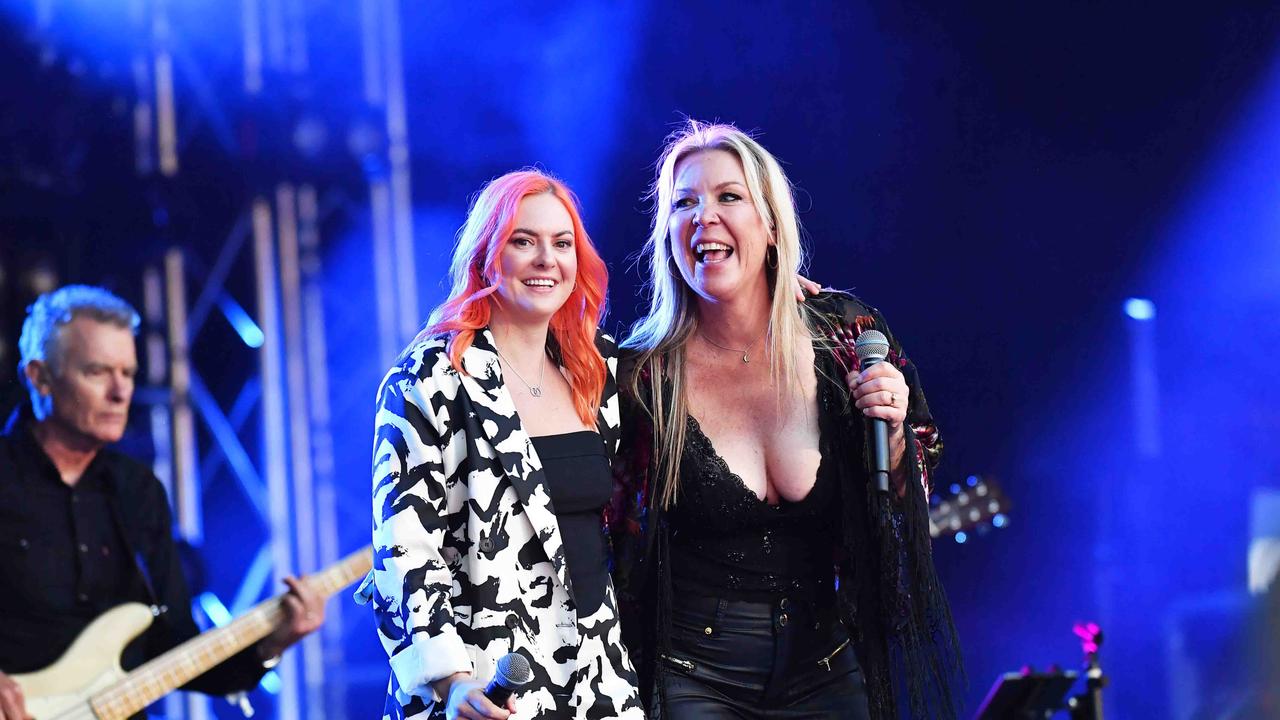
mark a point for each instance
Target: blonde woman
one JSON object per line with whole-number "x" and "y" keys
{"x": 491, "y": 474}
{"x": 762, "y": 575}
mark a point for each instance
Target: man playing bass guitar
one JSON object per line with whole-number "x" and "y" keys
{"x": 83, "y": 528}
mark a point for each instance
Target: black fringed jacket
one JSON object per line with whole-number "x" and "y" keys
{"x": 889, "y": 595}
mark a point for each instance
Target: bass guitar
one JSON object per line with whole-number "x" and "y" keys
{"x": 86, "y": 683}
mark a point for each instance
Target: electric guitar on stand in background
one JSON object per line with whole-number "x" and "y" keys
{"x": 975, "y": 503}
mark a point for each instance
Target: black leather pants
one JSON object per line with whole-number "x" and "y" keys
{"x": 737, "y": 659}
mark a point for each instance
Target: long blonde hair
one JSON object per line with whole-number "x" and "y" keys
{"x": 660, "y": 336}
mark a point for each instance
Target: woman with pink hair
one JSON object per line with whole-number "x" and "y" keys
{"x": 495, "y": 431}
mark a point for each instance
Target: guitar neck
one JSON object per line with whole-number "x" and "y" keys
{"x": 163, "y": 674}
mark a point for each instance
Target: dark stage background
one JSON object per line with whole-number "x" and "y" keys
{"x": 997, "y": 178}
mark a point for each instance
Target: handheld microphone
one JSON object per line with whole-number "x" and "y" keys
{"x": 872, "y": 347}
{"x": 512, "y": 673}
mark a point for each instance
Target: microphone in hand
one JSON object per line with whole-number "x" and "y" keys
{"x": 872, "y": 347}
{"x": 512, "y": 673}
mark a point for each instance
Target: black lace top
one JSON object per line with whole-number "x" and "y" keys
{"x": 888, "y": 592}
{"x": 727, "y": 542}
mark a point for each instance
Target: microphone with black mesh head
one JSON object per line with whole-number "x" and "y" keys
{"x": 512, "y": 673}
{"x": 872, "y": 347}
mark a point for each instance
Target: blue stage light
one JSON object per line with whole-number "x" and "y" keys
{"x": 962, "y": 537}
{"x": 1000, "y": 520}
{"x": 244, "y": 325}
{"x": 214, "y": 609}
{"x": 271, "y": 682}
{"x": 1140, "y": 308}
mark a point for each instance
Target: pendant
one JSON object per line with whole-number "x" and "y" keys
{"x": 745, "y": 359}
{"x": 535, "y": 391}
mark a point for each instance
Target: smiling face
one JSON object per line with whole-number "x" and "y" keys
{"x": 539, "y": 261}
{"x": 718, "y": 238}
{"x": 93, "y": 384}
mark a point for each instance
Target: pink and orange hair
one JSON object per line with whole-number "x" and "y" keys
{"x": 476, "y": 272}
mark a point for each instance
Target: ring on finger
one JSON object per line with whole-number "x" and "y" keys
{"x": 893, "y": 399}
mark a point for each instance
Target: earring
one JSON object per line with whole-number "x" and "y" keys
{"x": 771, "y": 257}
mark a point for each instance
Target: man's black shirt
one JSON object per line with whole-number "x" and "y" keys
{"x": 62, "y": 559}
{"x": 70, "y": 553}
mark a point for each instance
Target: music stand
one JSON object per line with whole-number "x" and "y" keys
{"x": 1027, "y": 696}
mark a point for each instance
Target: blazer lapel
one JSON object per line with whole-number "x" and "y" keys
{"x": 500, "y": 424}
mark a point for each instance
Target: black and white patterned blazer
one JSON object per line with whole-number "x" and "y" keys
{"x": 468, "y": 559}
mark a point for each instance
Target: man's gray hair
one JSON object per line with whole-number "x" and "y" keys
{"x": 52, "y": 310}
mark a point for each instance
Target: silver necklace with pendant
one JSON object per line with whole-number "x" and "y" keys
{"x": 534, "y": 390}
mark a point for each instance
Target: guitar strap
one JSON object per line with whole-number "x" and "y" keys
{"x": 158, "y": 609}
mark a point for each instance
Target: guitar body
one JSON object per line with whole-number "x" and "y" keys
{"x": 92, "y": 663}
{"x": 86, "y": 683}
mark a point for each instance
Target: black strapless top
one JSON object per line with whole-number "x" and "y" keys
{"x": 578, "y": 478}
{"x": 727, "y": 542}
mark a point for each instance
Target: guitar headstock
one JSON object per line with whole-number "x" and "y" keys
{"x": 975, "y": 503}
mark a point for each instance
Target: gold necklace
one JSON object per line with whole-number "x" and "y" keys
{"x": 746, "y": 353}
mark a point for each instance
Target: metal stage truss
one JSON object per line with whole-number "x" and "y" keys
{"x": 273, "y": 434}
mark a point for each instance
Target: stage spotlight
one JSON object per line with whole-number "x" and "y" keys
{"x": 1140, "y": 308}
